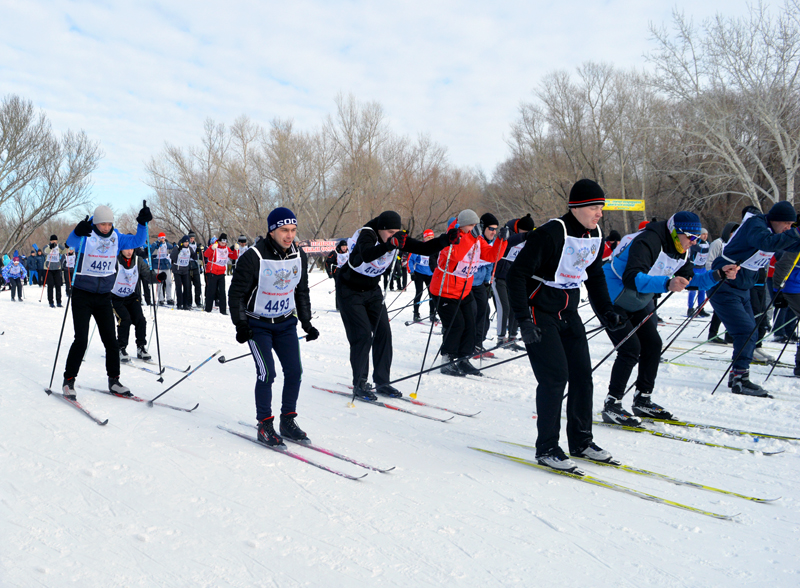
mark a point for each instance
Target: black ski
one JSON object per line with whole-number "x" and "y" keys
{"x": 136, "y": 398}
{"x": 76, "y": 404}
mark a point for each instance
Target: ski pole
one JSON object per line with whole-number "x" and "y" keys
{"x": 758, "y": 323}
{"x": 45, "y": 282}
{"x": 63, "y": 322}
{"x": 628, "y": 336}
{"x": 689, "y": 319}
{"x": 398, "y": 310}
{"x": 153, "y": 295}
{"x": 318, "y": 283}
{"x": 205, "y": 361}
{"x": 777, "y": 361}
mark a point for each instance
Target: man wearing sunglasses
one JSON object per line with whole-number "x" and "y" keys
{"x": 646, "y": 263}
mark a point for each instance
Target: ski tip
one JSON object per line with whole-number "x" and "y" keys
{"x": 102, "y": 423}
{"x": 187, "y": 369}
{"x": 194, "y": 407}
{"x": 387, "y": 470}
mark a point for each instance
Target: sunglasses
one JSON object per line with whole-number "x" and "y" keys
{"x": 491, "y": 228}
{"x": 691, "y": 237}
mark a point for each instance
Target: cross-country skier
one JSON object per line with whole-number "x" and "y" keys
{"x": 161, "y": 262}
{"x": 373, "y": 249}
{"x": 421, "y": 275}
{"x": 544, "y": 289}
{"x": 268, "y": 295}
{"x": 698, "y": 255}
{"x": 52, "y": 268}
{"x": 751, "y": 247}
{"x": 14, "y": 273}
{"x": 651, "y": 261}
{"x": 181, "y": 256}
{"x": 506, "y": 323}
{"x": 218, "y": 256}
{"x": 789, "y": 298}
{"x": 98, "y": 243}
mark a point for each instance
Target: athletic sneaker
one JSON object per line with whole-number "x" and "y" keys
{"x": 593, "y": 452}
{"x": 267, "y": 434}
{"x": 451, "y": 370}
{"x": 141, "y": 353}
{"x": 363, "y": 391}
{"x": 116, "y": 387}
{"x": 387, "y": 390}
{"x": 68, "y": 388}
{"x": 123, "y": 355}
{"x": 739, "y": 383}
{"x": 643, "y": 406}
{"x": 615, "y": 414}
{"x": 465, "y": 366}
{"x": 289, "y": 428}
{"x": 759, "y": 355}
{"x": 557, "y": 460}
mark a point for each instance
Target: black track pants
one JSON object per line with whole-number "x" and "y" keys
{"x": 84, "y": 306}
{"x": 458, "y": 325}
{"x": 129, "y": 312}
{"x": 215, "y": 288}
{"x": 644, "y": 348}
{"x": 367, "y": 325}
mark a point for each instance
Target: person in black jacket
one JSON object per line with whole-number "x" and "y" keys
{"x": 268, "y": 294}
{"x": 181, "y": 256}
{"x": 544, "y": 290}
{"x": 132, "y": 270}
{"x": 373, "y": 250}
{"x": 519, "y": 227}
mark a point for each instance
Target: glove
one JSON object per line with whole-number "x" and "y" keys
{"x": 145, "y": 216}
{"x": 398, "y": 240}
{"x": 454, "y": 236}
{"x": 780, "y": 301}
{"x": 503, "y": 233}
{"x": 214, "y": 245}
{"x": 236, "y": 247}
{"x": 243, "y": 332}
{"x": 477, "y": 230}
{"x": 612, "y": 321}
{"x": 83, "y": 228}
{"x": 161, "y": 276}
{"x": 530, "y": 333}
{"x": 311, "y": 332}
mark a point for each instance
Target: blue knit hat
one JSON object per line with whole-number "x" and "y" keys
{"x": 782, "y": 211}
{"x": 685, "y": 222}
{"x": 280, "y": 217}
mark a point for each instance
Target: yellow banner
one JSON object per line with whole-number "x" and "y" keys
{"x": 619, "y": 204}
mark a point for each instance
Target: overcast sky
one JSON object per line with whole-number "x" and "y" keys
{"x": 135, "y": 75}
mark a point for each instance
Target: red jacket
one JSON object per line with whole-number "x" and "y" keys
{"x": 464, "y": 258}
{"x": 217, "y": 261}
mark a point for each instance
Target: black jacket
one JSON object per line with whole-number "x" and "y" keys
{"x": 514, "y": 239}
{"x": 173, "y": 256}
{"x": 540, "y": 256}
{"x": 146, "y": 275}
{"x": 369, "y": 247}
{"x": 245, "y": 280}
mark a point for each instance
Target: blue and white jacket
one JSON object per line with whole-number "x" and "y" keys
{"x": 415, "y": 267}
{"x": 103, "y": 285}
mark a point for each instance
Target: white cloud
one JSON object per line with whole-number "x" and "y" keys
{"x": 135, "y": 75}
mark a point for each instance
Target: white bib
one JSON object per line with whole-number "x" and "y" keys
{"x": 70, "y": 259}
{"x": 424, "y": 261}
{"x": 100, "y": 255}
{"x": 512, "y": 253}
{"x": 469, "y": 263}
{"x": 341, "y": 258}
{"x": 54, "y": 255}
{"x": 701, "y": 258}
{"x": 162, "y": 252}
{"x": 242, "y": 249}
{"x": 666, "y": 265}
{"x": 125, "y": 284}
{"x": 183, "y": 257}
{"x": 276, "y": 283}
{"x": 577, "y": 254}
{"x": 759, "y": 259}
{"x": 371, "y": 268}
{"x": 222, "y": 257}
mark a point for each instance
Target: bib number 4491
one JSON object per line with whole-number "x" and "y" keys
{"x": 102, "y": 266}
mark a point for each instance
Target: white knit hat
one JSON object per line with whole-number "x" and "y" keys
{"x": 467, "y": 217}
{"x": 103, "y": 214}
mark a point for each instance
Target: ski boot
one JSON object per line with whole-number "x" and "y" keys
{"x": 141, "y": 353}
{"x": 363, "y": 391}
{"x": 388, "y": 390}
{"x": 593, "y": 452}
{"x": 557, "y": 460}
{"x": 267, "y": 434}
{"x": 465, "y": 366}
{"x": 417, "y": 318}
{"x": 644, "y": 407}
{"x": 123, "y": 355}
{"x": 68, "y": 388}
{"x": 451, "y": 370}
{"x": 289, "y": 428}
{"x": 739, "y": 383}
{"x": 690, "y": 312}
{"x": 614, "y": 413}
{"x": 115, "y": 387}
{"x": 760, "y": 356}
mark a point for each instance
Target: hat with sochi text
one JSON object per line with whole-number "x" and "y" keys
{"x": 279, "y": 217}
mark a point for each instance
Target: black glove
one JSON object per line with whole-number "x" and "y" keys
{"x": 454, "y": 236}
{"x": 243, "y": 332}
{"x": 477, "y": 230}
{"x": 161, "y": 276}
{"x": 144, "y": 216}
{"x": 398, "y": 240}
{"x": 530, "y": 333}
{"x": 612, "y": 321}
{"x": 503, "y": 234}
{"x": 83, "y": 228}
{"x": 780, "y": 301}
{"x": 311, "y": 332}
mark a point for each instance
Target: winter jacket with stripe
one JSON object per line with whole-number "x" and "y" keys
{"x": 448, "y": 285}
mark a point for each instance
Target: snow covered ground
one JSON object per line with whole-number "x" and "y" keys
{"x": 165, "y": 498}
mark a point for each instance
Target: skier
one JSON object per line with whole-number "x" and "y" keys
{"x": 544, "y": 290}
{"x": 506, "y": 323}
{"x": 195, "y": 270}
{"x": 698, "y": 255}
{"x": 268, "y": 295}
{"x": 751, "y": 247}
{"x": 333, "y": 261}
{"x": 421, "y": 275}
{"x": 451, "y": 288}
{"x": 160, "y": 251}
{"x": 714, "y": 251}
{"x": 125, "y": 298}
{"x": 181, "y": 257}
{"x": 653, "y": 260}
{"x": 372, "y": 252}
{"x": 789, "y": 298}
{"x": 481, "y": 287}
{"x": 52, "y": 267}
{"x": 31, "y": 265}
{"x": 98, "y": 243}
{"x": 69, "y": 268}
{"x": 14, "y": 273}
{"x": 218, "y": 256}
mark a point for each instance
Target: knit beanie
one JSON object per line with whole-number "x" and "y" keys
{"x": 102, "y": 214}
{"x": 242, "y": 239}
{"x": 467, "y": 217}
{"x": 341, "y": 244}
{"x": 184, "y": 239}
{"x": 783, "y": 212}
{"x": 614, "y": 236}
{"x": 685, "y": 222}
{"x": 223, "y": 237}
{"x": 160, "y": 235}
{"x": 489, "y": 219}
{"x": 427, "y": 233}
{"x": 53, "y": 238}
{"x": 586, "y": 193}
{"x": 525, "y": 224}
{"x": 191, "y": 234}
{"x": 389, "y": 220}
{"x": 279, "y": 217}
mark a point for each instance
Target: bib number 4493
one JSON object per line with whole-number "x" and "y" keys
{"x": 277, "y": 306}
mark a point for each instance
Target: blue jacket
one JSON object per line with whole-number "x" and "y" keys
{"x": 161, "y": 264}
{"x": 12, "y": 271}
{"x": 414, "y": 267}
{"x": 754, "y": 235}
{"x": 105, "y": 284}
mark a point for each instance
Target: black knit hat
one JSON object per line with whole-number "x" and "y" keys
{"x": 586, "y": 193}
{"x": 191, "y": 234}
{"x": 53, "y": 238}
{"x": 782, "y": 211}
{"x": 489, "y": 219}
{"x": 242, "y": 239}
{"x": 341, "y": 244}
{"x": 614, "y": 236}
{"x": 223, "y": 237}
{"x": 389, "y": 219}
{"x": 525, "y": 224}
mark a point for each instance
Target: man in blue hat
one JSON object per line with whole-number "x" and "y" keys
{"x": 646, "y": 263}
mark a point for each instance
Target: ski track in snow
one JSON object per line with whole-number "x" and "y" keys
{"x": 164, "y": 498}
